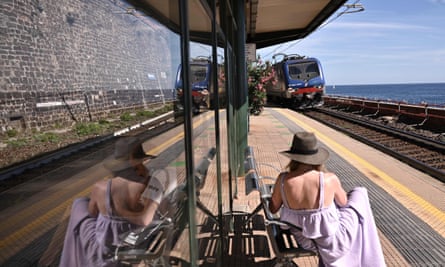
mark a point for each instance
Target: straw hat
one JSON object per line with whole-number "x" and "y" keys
{"x": 305, "y": 149}
{"x": 125, "y": 147}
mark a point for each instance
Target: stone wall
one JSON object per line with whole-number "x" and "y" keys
{"x": 63, "y": 61}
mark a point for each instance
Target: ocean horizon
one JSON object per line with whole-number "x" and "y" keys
{"x": 413, "y": 93}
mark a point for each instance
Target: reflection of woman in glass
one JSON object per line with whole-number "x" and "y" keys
{"x": 115, "y": 206}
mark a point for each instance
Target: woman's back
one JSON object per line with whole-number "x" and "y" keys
{"x": 303, "y": 191}
{"x": 304, "y": 205}
{"x": 344, "y": 232}
{"x": 124, "y": 197}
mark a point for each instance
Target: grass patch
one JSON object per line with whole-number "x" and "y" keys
{"x": 47, "y": 137}
{"x": 91, "y": 128}
{"x": 11, "y": 133}
{"x": 126, "y": 116}
{"x": 17, "y": 142}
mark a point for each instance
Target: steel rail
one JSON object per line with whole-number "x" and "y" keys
{"x": 396, "y": 133}
{"x": 36, "y": 162}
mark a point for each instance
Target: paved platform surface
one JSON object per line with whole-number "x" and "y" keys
{"x": 408, "y": 206}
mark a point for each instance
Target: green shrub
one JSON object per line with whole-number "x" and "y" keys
{"x": 91, "y": 128}
{"x": 17, "y": 142}
{"x": 104, "y": 122}
{"x": 12, "y": 132}
{"x": 145, "y": 114}
{"x": 126, "y": 116}
{"x": 47, "y": 137}
{"x": 260, "y": 76}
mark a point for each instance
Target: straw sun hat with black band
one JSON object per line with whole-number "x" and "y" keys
{"x": 124, "y": 148}
{"x": 305, "y": 149}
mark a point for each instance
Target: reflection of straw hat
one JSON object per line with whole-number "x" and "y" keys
{"x": 125, "y": 147}
{"x": 305, "y": 149}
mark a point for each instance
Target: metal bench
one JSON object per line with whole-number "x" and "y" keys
{"x": 200, "y": 179}
{"x": 152, "y": 244}
{"x": 252, "y": 178}
{"x": 284, "y": 245}
{"x": 283, "y": 242}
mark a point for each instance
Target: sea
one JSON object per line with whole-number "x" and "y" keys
{"x": 412, "y": 93}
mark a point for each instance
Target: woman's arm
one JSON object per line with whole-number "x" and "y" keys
{"x": 93, "y": 205}
{"x": 151, "y": 198}
{"x": 340, "y": 196}
{"x": 276, "y": 201}
{"x": 144, "y": 217}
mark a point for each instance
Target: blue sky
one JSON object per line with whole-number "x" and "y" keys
{"x": 393, "y": 41}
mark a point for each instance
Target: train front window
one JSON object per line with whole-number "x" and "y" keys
{"x": 198, "y": 73}
{"x": 312, "y": 67}
{"x": 312, "y": 70}
{"x": 294, "y": 72}
{"x": 303, "y": 70}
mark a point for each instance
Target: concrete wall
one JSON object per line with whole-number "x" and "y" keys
{"x": 63, "y": 61}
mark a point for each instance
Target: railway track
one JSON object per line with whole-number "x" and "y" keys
{"x": 30, "y": 169}
{"x": 421, "y": 152}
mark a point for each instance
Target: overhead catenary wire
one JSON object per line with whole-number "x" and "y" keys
{"x": 349, "y": 8}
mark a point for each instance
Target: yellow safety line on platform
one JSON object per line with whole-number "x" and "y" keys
{"x": 34, "y": 226}
{"x": 388, "y": 179}
{"x": 158, "y": 149}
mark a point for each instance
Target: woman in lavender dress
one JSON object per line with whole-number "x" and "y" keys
{"x": 338, "y": 225}
{"x": 114, "y": 207}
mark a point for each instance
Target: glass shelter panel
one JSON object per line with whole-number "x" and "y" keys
{"x": 99, "y": 69}
{"x": 111, "y": 69}
{"x": 209, "y": 140}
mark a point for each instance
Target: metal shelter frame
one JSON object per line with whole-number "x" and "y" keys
{"x": 230, "y": 25}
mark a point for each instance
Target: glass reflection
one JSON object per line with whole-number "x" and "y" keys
{"x": 105, "y": 68}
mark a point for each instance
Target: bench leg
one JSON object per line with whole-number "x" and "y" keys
{"x": 206, "y": 211}
{"x": 254, "y": 212}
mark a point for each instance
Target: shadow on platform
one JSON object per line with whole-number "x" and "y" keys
{"x": 245, "y": 243}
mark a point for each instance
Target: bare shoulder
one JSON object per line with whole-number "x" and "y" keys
{"x": 330, "y": 177}
{"x": 102, "y": 184}
{"x": 99, "y": 188}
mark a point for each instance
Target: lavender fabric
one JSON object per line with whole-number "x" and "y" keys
{"x": 89, "y": 240}
{"x": 343, "y": 236}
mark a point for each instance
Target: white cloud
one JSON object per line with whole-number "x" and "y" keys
{"x": 378, "y": 26}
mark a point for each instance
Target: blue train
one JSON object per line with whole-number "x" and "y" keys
{"x": 299, "y": 82}
{"x": 201, "y": 78}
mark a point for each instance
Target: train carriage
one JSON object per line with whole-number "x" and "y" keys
{"x": 299, "y": 83}
{"x": 201, "y": 78}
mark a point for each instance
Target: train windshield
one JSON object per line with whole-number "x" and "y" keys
{"x": 303, "y": 70}
{"x": 295, "y": 71}
{"x": 198, "y": 73}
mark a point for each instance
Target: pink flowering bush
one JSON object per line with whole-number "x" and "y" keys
{"x": 260, "y": 75}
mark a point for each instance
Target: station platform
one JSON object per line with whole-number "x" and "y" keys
{"x": 408, "y": 205}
